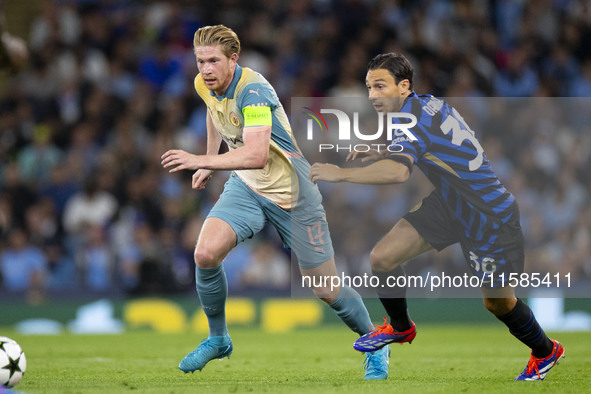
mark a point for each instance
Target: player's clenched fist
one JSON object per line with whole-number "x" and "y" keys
{"x": 179, "y": 160}
{"x": 325, "y": 172}
{"x": 200, "y": 179}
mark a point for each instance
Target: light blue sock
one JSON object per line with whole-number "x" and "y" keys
{"x": 350, "y": 308}
{"x": 212, "y": 289}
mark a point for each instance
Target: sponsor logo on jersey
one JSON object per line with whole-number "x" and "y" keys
{"x": 233, "y": 141}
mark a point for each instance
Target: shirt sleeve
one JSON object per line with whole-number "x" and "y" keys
{"x": 415, "y": 140}
{"x": 258, "y": 95}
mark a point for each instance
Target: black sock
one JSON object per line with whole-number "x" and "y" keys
{"x": 523, "y": 325}
{"x": 394, "y": 300}
{"x": 398, "y": 312}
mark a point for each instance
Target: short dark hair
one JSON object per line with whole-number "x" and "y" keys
{"x": 398, "y": 65}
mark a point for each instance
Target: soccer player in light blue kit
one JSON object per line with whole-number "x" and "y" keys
{"x": 269, "y": 182}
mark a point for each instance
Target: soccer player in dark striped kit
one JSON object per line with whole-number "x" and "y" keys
{"x": 469, "y": 205}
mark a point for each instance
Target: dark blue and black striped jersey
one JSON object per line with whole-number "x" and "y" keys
{"x": 449, "y": 154}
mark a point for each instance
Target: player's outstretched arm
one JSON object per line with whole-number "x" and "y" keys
{"x": 181, "y": 160}
{"x": 253, "y": 154}
{"x": 379, "y": 173}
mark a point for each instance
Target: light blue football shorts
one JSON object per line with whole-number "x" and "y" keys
{"x": 305, "y": 231}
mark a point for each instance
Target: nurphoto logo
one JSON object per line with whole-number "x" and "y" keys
{"x": 346, "y": 129}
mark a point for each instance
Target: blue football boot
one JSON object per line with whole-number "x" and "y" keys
{"x": 376, "y": 364}
{"x": 209, "y": 349}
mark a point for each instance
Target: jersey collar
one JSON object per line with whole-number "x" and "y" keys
{"x": 232, "y": 88}
{"x": 408, "y": 99}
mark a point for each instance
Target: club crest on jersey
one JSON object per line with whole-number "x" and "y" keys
{"x": 234, "y": 119}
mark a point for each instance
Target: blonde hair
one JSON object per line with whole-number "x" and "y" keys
{"x": 218, "y": 35}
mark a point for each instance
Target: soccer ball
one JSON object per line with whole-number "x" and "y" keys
{"x": 12, "y": 362}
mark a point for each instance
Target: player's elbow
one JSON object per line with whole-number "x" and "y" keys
{"x": 391, "y": 172}
{"x": 259, "y": 164}
{"x": 401, "y": 175}
{"x": 258, "y": 160}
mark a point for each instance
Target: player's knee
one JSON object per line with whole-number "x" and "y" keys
{"x": 327, "y": 301}
{"x": 205, "y": 257}
{"x": 382, "y": 261}
{"x": 325, "y": 294}
{"x": 499, "y": 306}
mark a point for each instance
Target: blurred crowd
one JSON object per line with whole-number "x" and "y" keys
{"x": 86, "y": 207}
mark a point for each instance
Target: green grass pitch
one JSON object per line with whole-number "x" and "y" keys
{"x": 442, "y": 359}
